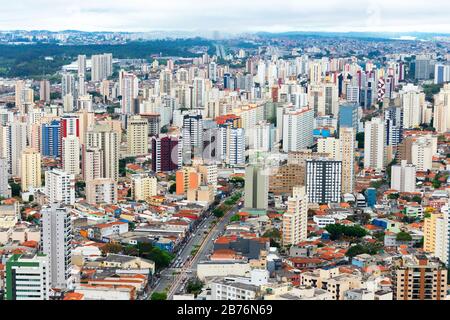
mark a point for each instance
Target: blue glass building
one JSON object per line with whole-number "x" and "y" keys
{"x": 371, "y": 196}
{"x": 51, "y": 139}
{"x": 348, "y": 116}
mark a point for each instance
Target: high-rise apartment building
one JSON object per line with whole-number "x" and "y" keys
{"x": 60, "y": 187}
{"x": 101, "y": 191}
{"x": 419, "y": 278}
{"x": 347, "y": 139}
{"x": 403, "y": 177}
{"x": 374, "y": 144}
{"x": 166, "y": 153}
{"x": 323, "y": 180}
{"x": 256, "y": 187}
{"x": 106, "y": 139}
{"x": 101, "y": 66}
{"x": 71, "y": 154}
{"x": 298, "y": 128}
{"x": 56, "y": 243}
{"x": 295, "y": 219}
{"x": 27, "y": 277}
{"x": 30, "y": 169}
{"x": 5, "y": 189}
{"x": 137, "y": 136}
{"x": 44, "y": 90}
{"x": 143, "y": 187}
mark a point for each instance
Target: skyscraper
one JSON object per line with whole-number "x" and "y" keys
{"x": 56, "y": 243}
{"x": 348, "y": 145}
{"x": 298, "y": 128}
{"x": 106, "y": 139}
{"x": 256, "y": 187}
{"x": 374, "y": 144}
{"x": 348, "y": 116}
{"x": 92, "y": 167}
{"x": 101, "y": 66}
{"x": 295, "y": 219}
{"x": 166, "y": 153}
{"x": 71, "y": 154}
{"x": 60, "y": 187}
{"x": 5, "y": 190}
{"x": 44, "y": 90}
{"x": 137, "y": 136}
{"x": 323, "y": 180}
{"x": 30, "y": 169}
{"x": 51, "y": 139}
{"x": 403, "y": 177}
{"x": 27, "y": 277}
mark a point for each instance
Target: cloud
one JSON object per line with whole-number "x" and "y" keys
{"x": 230, "y": 15}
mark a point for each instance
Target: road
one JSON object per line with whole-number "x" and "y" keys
{"x": 173, "y": 278}
{"x": 204, "y": 250}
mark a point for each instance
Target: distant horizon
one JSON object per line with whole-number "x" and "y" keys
{"x": 232, "y": 16}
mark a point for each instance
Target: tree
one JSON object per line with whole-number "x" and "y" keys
{"x": 130, "y": 250}
{"x": 360, "y": 139}
{"x": 393, "y": 196}
{"x": 158, "y": 296}
{"x": 218, "y": 212}
{"x": 15, "y": 189}
{"x": 403, "y": 236}
{"x": 194, "y": 286}
{"x": 173, "y": 188}
{"x": 417, "y": 199}
{"x": 161, "y": 258}
{"x": 235, "y": 218}
{"x": 111, "y": 248}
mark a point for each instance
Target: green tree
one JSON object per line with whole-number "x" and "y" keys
{"x": 218, "y": 212}
{"x": 393, "y": 196}
{"x": 158, "y": 296}
{"x": 194, "y": 286}
{"x": 173, "y": 188}
{"x": 15, "y": 189}
{"x": 130, "y": 250}
{"x": 112, "y": 248}
{"x": 403, "y": 236}
{"x": 235, "y": 218}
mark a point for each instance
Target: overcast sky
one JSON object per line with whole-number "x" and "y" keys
{"x": 227, "y": 15}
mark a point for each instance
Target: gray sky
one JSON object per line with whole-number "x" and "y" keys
{"x": 227, "y": 15}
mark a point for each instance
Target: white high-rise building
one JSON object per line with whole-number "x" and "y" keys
{"x": 412, "y": 102}
{"x": 81, "y": 65}
{"x": 347, "y": 144}
{"x": 56, "y": 243}
{"x": 101, "y": 67}
{"x": 16, "y": 142}
{"x": 71, "y": 154}
{"x": 441, "y": 113}
{"x": 422, "y": 151}
{"x": 403, "y": 177}
{"x": 107, "y": 140}
{"x": 323, "y": 180}
{"x": 262, "y": 136}
{"x": 442, "y": 241}
{"x": 5, "y": 189}
{"x": 295, "y": 219}
{"x": 60, "y": 187}
{"x": 27, "y": 277}
{"x": 92, "y": 164}
{"x": 298, "y": 129}
{"x": 374, "y": 144}
{"x": 129, "y": 88}
{"x": 231, "y": 145}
